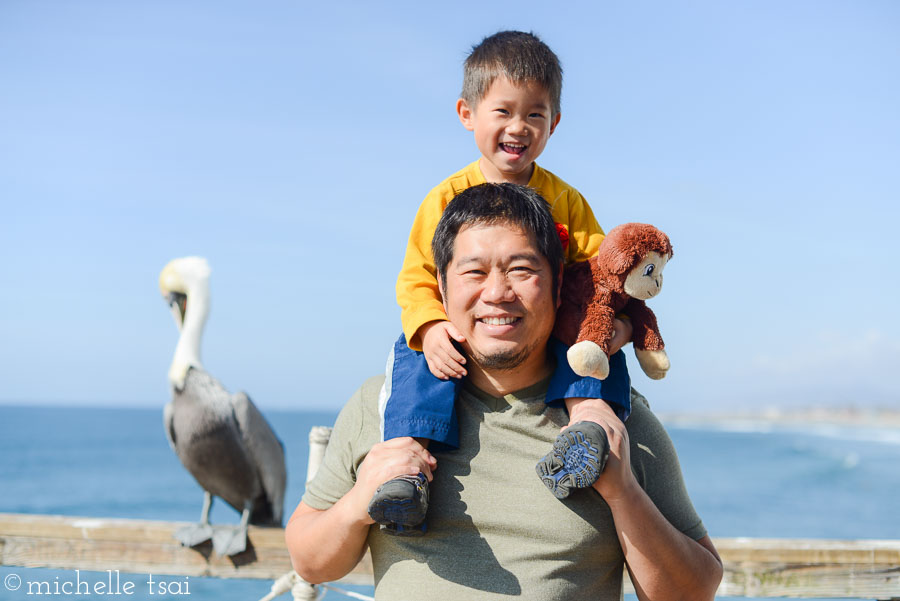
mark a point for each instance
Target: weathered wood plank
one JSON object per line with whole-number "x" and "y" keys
{"x": 139, "y": 546}
{"x": 810, "y": 568}
{"x": 753, "y": 567}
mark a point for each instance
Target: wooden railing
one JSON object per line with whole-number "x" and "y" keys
{"x": 797, "y": 568}
{"x": 754, "y": 567}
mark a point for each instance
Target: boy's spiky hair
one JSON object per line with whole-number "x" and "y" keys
{"x": 521, "y": 57}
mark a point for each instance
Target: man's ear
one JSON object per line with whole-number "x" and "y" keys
{"x": 440, "y": 284}
{"x": 466, "y": 114}
{"x": 554, "y": 123}
{"x": 562, "y": 268}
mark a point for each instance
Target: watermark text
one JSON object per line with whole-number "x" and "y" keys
{"x": 104, "y": 584}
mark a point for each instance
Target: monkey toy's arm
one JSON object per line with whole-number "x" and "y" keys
{"x": 585, "y": 320}
{"x": 648, "y": 343}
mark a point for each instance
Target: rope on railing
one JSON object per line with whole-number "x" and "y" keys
{"x": 348, "y": 593}
{"x": 304, "y": 591}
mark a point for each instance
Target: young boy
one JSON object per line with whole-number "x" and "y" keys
{"x": 511, "y": 102}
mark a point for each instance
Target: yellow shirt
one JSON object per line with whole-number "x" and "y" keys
{"x": 417, "y": 289}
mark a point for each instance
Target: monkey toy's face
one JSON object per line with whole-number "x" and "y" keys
{"x": 645, "y": 280}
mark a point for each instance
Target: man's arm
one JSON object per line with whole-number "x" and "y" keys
{"x": 326, "y": 544}
{"x": 664, "y": 564}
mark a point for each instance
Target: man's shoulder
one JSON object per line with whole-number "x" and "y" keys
{"x": 642, "y": 417}
{"x": 646, "y": 431}
{"x": 372, "y": 386}
{"x": 362, "y": 406}
{"x": 369, "y": 393}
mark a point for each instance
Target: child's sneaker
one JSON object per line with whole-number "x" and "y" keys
{"x": 399, "y": 505}
{"x": 579, "y": 455}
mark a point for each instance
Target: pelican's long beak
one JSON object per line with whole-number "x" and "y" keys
{"x": 178, "y": 304}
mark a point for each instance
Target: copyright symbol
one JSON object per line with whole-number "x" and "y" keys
{"x": 12, "y": 582}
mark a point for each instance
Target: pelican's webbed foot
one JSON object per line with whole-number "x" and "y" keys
{"x": 197, "y": 534}
{"x": 229, "y": 540}
{"x": 193, "y": 535}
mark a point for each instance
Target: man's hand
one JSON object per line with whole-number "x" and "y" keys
{"x": 385, "y": 461}
{"x": 616, "y": 480}
{"x": 616, "y": 477}
{"x": 326, "y": 544}
{"x": 444, "y": 361}
{"x": 580, "y": 407}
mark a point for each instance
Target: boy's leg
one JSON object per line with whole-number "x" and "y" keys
{"x": 581, "y": 450}
{"x": 566, "y": 384}
{"x": 412, "y": 402}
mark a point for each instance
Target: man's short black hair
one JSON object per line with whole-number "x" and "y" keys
{"x": 490, "y": 204}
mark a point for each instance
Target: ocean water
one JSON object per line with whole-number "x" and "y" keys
{"x": 746, "y": 479}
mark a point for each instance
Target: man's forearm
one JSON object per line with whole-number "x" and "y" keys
{"x": 326, "y": 545}
{"x": 664, "y": 563}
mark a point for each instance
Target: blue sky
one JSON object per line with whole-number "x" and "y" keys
{"x": 291, "y": 144}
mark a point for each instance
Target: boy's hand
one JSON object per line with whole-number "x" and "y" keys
{"x": 622, "y": 332}
{"x": 443, "y": 359}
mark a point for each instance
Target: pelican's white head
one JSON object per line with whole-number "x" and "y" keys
{"x": 179, "y": 279}
{"x": 184, "y": 284}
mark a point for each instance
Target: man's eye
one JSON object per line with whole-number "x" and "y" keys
{"x": 648, "y": 270}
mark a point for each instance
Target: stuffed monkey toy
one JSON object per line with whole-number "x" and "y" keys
{"x": 626, "y": 271}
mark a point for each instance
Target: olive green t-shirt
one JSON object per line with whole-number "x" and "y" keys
{"x": 494, "y": 530}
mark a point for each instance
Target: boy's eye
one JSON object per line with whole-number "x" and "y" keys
{"x": 536, "y": 115}
{"x": 501, "y": 111}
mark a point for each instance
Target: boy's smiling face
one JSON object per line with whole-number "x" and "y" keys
{"x": 512, "y": 124}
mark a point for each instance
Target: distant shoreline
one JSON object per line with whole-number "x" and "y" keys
{"x": 837, "y": 416}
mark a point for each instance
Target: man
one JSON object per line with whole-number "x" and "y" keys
{"x": 495, "y": 531}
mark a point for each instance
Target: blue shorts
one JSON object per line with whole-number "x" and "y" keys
{"x": 413, "y": 402}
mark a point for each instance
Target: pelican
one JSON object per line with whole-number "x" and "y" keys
{"x": 221, "y": 438}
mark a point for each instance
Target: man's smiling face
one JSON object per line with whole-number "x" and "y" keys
{"x": 499, "y": 293}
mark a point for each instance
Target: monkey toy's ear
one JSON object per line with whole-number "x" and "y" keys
{"x": 627, "y": 244}
{"x": 615, "y": 258}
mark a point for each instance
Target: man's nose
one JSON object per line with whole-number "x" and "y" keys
{"x": 497, "y": 288}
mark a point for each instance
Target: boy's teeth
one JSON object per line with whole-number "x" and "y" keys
{"x": 514, "y": 148}
{"x": 498, "y": 321}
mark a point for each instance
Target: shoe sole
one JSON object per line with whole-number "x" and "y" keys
{"x": 395, "y": 506}
{"x": 578, "y": 457}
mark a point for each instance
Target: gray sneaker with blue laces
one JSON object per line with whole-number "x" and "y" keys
{"x": 399, "y": 505}
{"x": 578, "y": 456}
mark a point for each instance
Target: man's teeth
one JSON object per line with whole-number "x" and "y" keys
{"x": 498, "y": 321}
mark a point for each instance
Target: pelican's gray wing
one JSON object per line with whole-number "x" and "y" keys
{"x": 168, "y": 417}
{"x": 209, "y": 441}
{"x": 265, "y": 451}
